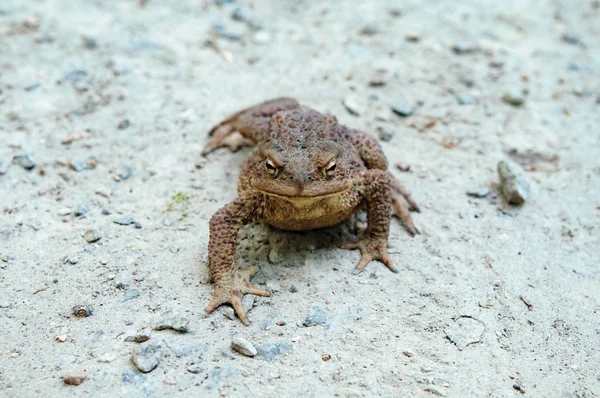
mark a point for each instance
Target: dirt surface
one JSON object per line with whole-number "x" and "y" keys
{"x": 112, "y": 102}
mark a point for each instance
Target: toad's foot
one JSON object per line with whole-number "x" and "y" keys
{"x": 231, "y": 288}
{"x": 225, "y": 135}
{"x": 402, "y": 212}
{"x": 371, "y": 249}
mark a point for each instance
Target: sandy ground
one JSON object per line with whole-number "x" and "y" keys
{"x": 113, "y": 102}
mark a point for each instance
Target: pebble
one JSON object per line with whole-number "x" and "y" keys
{"x": 464, "y": 332}
{"x": 275, "y": 257}
{"x": 465, "y": 99}
{"x": 126, "y": 173}
{"x": 3, "y": 167}
{"x": 412, "y": 37}
{"x": 75, "y": 75}
{"x": 5, "y": 304}
{"x": 80, "y": 210}
{"x": 82, "y": 311}
{"x": 89, "y": 43}
{"x": 146, "y": 357}
{"x": 385, "y": 133}
{"x": 75, "y": 379}
{"x": 405, "y": 167}
{"x": 316, "y": 317}
{"x": 137, "y": 225}
{"x": 173, "y": 320}
{"x": 25, "y": 161}
{"x": 124, "y": 221}
{"x": 79, "y": 165}
{"x": 243, "y": 346}
{"x": 513, "y": 186}
{"x": 195, "y": 369}
{"x": 465, "y": 47}
{"x": 91, "y": 236}
{"x": 402, "y": 109}
{"x": 514, "y": 98}
{"x": 353, "y": 105}
{"x": 124, "y": 124}
{"x": 65, "y": 211}
{"x": 479, "y": 192}
{"x": 130, "y": 294}
{"x": 138, "y": 338}
{"x": 106, "y": 212}
{"x": 435, "y": 391}
{"x": 272, "y": 350}
{"x": 107, "y": 358}
{"x": 570, "y": 38}
{"x": 293, "y": 289}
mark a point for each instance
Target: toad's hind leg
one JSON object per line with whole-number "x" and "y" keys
{"x": 247, "y": 125}
{"x": 399, "y": 207}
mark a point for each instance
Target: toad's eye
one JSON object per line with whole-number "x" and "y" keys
{"x": 330, "y": 168}
{"x": 271, "y": 167}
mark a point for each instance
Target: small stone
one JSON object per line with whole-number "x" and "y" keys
{"x": 80, "y": 210}
{"x": 107, "y": 358}
{"x": 368, "y": 31}
{"x": 106, "y": 212}
{"x": 91, "y": 236}
{"x": 412, "y": 37}
{"x": 73, "y": 260}
{"x": 479, "y": 192}
{"x": 32, "y": 87}
{"x": 65, "y": 211}
{"x": 82, "y": 311}
{"x": 464, "y": 332}
{"x": 570, "y": 38}
{"x": 408, "y": 354}
{"x": 79, "y": 165}
{"x": 195, "y": 369}
{"x": 126, "y": 173}
{"x": 173, "y": 320}
{"x": 465, "y": 99}
{"x": 513, "y": 186}
{"x": 317, "y": 317}
{"x": 465, "y": 47}
{"x": 402, "y": 109}
{"x": 514, "y": 98}
{"x": 3, "y": 167}
{"x": 293, "y": 289}
{"x": 124, "y": 221}
{"x": 222, "y": 31}
{"x": 353, "y": 105}
{"x": 137, "y": 225}
{"x": 243, "y": 346}
{"x": 89, "y": 43}
{"x": 25, "y": 161}
{"x": 130, "y": 294}
{"x": 405, "y": 167}
{"x": 146, "y": 357}
{"x": 124, "y": 124}
{"x": 138, "y": 338}
{"x": 272, "y": 350}
{"x": 385, "y": 133}
{"x": 75, "y": 75}
{"x": 75, "y": 379}
{"x": 5, "y": 304}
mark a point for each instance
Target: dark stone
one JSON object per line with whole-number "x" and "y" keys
{"x": 106, "y": 212}
{"x": 90, "y": 43}
{"x": 479, "y": 192}
{"x": 124, "y": 124}
{"x": 571, "y": 38}
{"x": 465, "y": 47}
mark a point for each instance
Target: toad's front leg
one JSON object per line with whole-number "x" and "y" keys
{"x": 376, "y": 189}
{"x": 231, "y": 283}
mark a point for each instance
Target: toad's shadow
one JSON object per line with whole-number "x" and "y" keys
{"x": 261, "y": 243}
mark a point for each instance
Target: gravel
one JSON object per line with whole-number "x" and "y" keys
{"x": 146, "y": 357}
{"x": 173, "y": 320}
{"x": 243, "y": 346}
{"x": 91, "y": 236}
{"x": 513, "y": 186}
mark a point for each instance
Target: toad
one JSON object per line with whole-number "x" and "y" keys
{"x": 306, "y": 171}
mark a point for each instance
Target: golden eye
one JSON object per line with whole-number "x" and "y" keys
{"x": 330, "y": 168}
{"x": 271, "y": 167}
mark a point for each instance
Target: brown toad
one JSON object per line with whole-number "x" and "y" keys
{"x": 306, "y": 171}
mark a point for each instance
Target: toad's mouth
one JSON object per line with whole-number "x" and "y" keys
{"x": 293, "y": 191}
